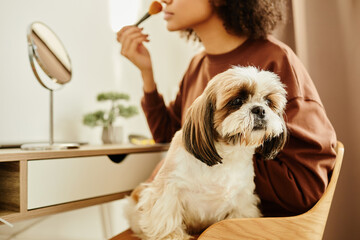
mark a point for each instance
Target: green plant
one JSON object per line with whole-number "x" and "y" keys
{"x": 106, "y": 118}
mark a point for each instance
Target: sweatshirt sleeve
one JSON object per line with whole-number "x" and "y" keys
{"x": 163, "y": 120}
{"x": 296, "y": 179}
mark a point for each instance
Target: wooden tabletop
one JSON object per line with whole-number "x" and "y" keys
{"x": 17, "y": 154}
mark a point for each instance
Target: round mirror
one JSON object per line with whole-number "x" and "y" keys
{"x": 52, "y": 68}
{"x": 48, "y": 55}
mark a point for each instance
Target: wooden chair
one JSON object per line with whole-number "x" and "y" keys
{"x": 309, "y": 225}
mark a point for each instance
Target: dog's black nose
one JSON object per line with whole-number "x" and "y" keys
{"x": 259, "y": 111}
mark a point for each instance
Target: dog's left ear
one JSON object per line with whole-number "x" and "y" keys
{"x": 199, "y": 133}
{"x": 271, "y": 147}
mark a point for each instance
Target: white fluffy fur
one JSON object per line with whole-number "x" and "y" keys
{"x": 187, "y": 195}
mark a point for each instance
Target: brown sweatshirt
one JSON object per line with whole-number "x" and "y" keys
{"x": 296, "y": 179}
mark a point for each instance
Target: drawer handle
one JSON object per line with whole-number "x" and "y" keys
{"x": 118, "y": 158}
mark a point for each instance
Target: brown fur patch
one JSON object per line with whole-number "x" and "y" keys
{"x": 199, "y": 133}
{"x": 273, "y": 102}
{"x": 227, "y": 106}
{"x": 272, "y": 146}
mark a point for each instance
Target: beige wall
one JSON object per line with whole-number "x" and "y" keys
{"x": 325, "y": 39}
{"x": 332, "y": 55}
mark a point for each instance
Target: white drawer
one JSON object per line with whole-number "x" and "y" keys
{"x": 63, "y": 180}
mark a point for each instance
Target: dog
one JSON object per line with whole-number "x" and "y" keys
{"x": 208, "y": 173}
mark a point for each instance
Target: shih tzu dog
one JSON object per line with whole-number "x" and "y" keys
{"x": 208, "y": 173}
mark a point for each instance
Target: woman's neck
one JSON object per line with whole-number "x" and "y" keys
{"x": 216, "y": 39}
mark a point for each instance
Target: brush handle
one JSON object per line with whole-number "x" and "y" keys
{"x": 142, "y": 19}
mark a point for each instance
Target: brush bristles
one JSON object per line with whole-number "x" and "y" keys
{"x": 155, "y": 8}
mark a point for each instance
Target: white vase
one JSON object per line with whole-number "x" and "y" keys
{"x": 112, "y": 134}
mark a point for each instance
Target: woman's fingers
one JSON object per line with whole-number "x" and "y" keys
{"x": 131, "y": 39}
{"x": 125, "y": 31}
{"x": 126, "y": 40}
{"x": 130, "y": 43}
{"x": 127, "y": 35}
{"x": 121, "y": 32}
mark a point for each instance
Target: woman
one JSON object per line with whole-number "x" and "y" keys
{"x": 236, "y": 32}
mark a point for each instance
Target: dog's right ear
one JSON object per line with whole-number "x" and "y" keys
{"x": 198, "y": 131}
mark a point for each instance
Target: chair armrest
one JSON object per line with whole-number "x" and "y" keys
{"x": 297, "y": 227}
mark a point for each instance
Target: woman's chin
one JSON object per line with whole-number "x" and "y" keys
{"x": 171, "y": 28}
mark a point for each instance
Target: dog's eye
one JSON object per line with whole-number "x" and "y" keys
{"x": 236, "y": 102}
{"x": 269, "y": 102}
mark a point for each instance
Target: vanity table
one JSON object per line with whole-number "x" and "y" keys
{"x": 37, "y": 183}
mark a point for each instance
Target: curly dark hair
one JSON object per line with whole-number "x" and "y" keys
{"x": 253, "y": 18}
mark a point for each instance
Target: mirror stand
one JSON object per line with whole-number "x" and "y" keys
{"x": 51, "y": 145}
{"x": 51, "y": 123}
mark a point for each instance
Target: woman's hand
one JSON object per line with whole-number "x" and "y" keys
{"x": 131, "y": 39}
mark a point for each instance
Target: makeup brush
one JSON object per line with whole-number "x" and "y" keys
{"x": 154, "y": 8}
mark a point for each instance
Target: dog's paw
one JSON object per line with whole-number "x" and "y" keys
{"x": 132, "y": 215}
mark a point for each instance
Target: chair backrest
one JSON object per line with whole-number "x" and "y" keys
{"x": 322, "y": 207}
{"x": 309, "y": 225}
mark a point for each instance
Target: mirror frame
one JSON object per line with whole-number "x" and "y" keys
{"x": 54, "y": 84}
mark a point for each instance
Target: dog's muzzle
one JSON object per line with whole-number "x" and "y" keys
{"x": 259, "y": 118}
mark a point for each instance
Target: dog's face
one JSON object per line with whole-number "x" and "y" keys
{"x": 242, "y": 106}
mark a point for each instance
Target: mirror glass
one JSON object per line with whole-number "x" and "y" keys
{"x": 48, "y": 53}
{"x": 52, "y": 68}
